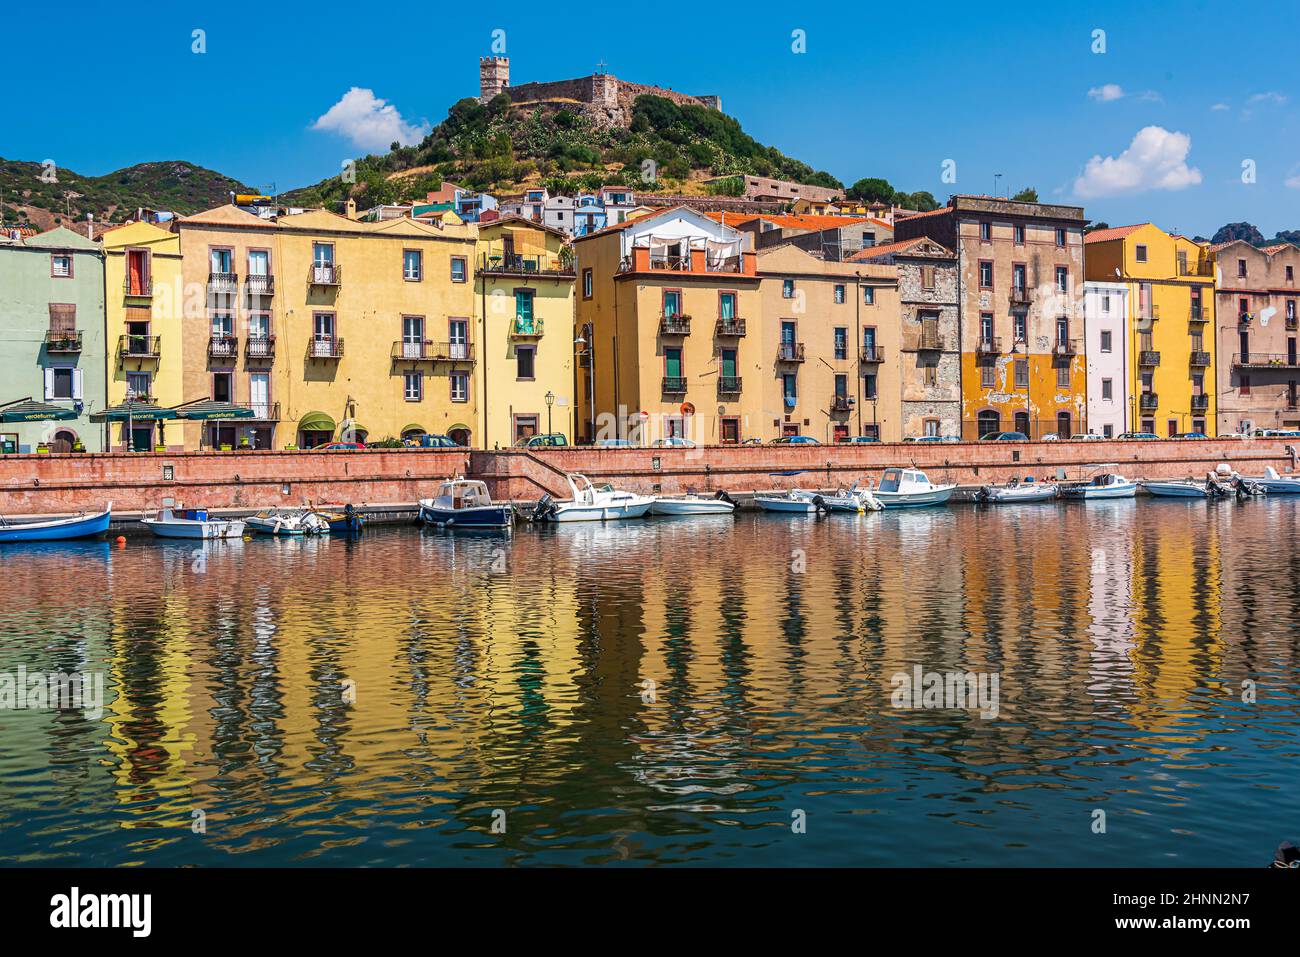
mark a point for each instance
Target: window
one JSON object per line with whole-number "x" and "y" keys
{"x": 524, "y": 322}
{"x": 458, "y": 338}
{"x": 63, "y": 318}
{"x": 221, "y": 261}
{"x": 414, "y": 387}
{"x": 841, "y": 386}
{"x": 61, "y": 265}
{"x": 223, "y": 387}
{"x": 673, "y": 363}
{"x": 987, "y": 375}
{"x": 841, "y": 342}
{"x": 1140, "y": 253}
{"x": 457, "y": 268}
{"x": 322, "y": 254}
{"x": 1018, "y": 324}
{"x": 986, "y": 327}
{"x": 1290, "y": 274}
{"x": 787, "y": 288}
{"x": 460, "y": 387}
{"x": 1245, "y": 385}
{"x": 927, "y": 277}
{"x": 1241, "y": 269}
{"x": 672, "y": 303}
{"x": 986, "y": 232}
{"x": 930, "y": 374}
{"x": 1022, "y": 374}
{"x": 869, "y": 342}
{"x": 259, "y": 262}
{"x": 1108, "y": 388}
{"x": 1108, "y": 431}
{"x": 868, "y": 296}
{"x": 1060, "y": 236}
{"x": 930, "y": 427}
{"x": 730, "y": 430}
{"x": 525, "y": 362}
{"x": 986, "y": 274}
{"x": 1062, "y": 279}
{"x": 1105, "y": 302}
{"x": 1106, "y": 340}
{"x": 839, "y": 294}
{"x": 1018, "y": 276}
{"x": 1018, "y": 234}
{"x": 586, "y": 284}
{"x": 869, "y": 385}
{"x": 139, "y": 384}
{"x": 62, "y": 383}
{"x": 412, "y": 265}
{"x": 788, "y": 388}
{"x": 726, "y": 305}
{"x": 1063, "y": 375}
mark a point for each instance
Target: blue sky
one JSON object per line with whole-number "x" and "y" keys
{"x": 888, "y": 90}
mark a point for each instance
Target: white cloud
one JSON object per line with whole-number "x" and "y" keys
{"x": 1220, "y": 107}
{"x": 1293, "y": 181}
{"x": 369, "y": 122}
{"x": 1156, "y": 159}
{"x": 1272, "y": 97}
{"x": 1107, "y": 92}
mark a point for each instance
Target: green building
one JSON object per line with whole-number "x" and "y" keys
{"x": 52, "y": 345}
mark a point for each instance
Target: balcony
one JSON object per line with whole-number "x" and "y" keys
{"x": 730, "y": 327}
{"x": 990, "y": 346}
{"x": 137, "y": 288}
{"x": 259, "y": 347}
{"x": 427, "y": 351}
{"x": 222, "y": 284}
{"x": 324, "y": 274}
{"x": 325, "y": 349}
{"x": 643, "y": 260}
{"x": 1195, "y": 269}
{"x": 872, "y": 354}
{"x": 1292, "y": 324}
{"x": 1148, "y": 313}
{"x": 139, "y": 347}
{"x": 260, "y": 285}
{"x": 222, "y": 347}
{"x": 1200, "y": 403}
{"x": 790, "y": 352}
{"x": 1148, "y": 401}
{"x": 841, "y": 403}
{"x": 1200, "y": 360}
{"x": 512, "y": 264}
{"x": 1021, "y": 295}
{"x": 1148, "y": 357}
{"x": 63, "y": 340}
{"x": 674, "y": 325}
{"x": 1066, "y": 347}
{"x": 674, "y": 384}
{"x": 1265, "y": 360}
{"x": 728, "y": 385}
{"x": 526, "y": 329}
{"x": 1197, "y": 316}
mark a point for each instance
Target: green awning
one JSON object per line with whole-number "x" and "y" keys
{"x": 355, "y": 427}
{"x": 208, "y": 409}
{"x": 316, "y": 422}
{"x": 134, "y": 411}
{"x": 29, "y": 410}
{"x": 412, "y": 427}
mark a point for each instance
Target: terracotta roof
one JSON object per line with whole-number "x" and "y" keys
{"x": 1117, "y": 232}
{"x": 1274, "y": 248}
{"x": 934, "y": 212}
{"x": 886, "y": 249}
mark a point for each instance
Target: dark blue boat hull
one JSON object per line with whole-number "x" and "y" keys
{"x": 492, "y": 516}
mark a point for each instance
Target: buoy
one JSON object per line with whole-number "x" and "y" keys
{"x": 121, "y": 541}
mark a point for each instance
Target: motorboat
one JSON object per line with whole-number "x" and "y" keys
{"x": 910, "y": 488}
{"x": 855, "y": 499}
{"x": 1100, "y": 486}
{"x": 81, "y": 525}
{"x": 465, "y": 503}
{"x": 287, "y": 521}
{"x": 1175, "y": 488}
{"x": 347, "y": 522}
{"x": 796, "y": 501}
{"x": 191, "y": 523}
{"x": 1275, "y": 484}
{"x": 591, "y": 504}
{"x": 1016, "y": 492}
{"x": 692, "y": 504}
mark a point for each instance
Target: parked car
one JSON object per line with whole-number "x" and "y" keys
{"x": 430, "y": 442}
{"x": 931, "y": 438}
{"x": 1086, "y": 437}
{"x": 1004, "y": 437}
{"x": 1192, "y": 435}
{"x": 1138, "y": 436}
{"x": 858, "y": 440}
{"x": 1051, "y": 437}
{"x": 547, "y": 440}
{"x": 672, "y": 442}
{"x": 339, "y": 447}
{"x": 614, "y": 444}
{"x": 795, "y": 440}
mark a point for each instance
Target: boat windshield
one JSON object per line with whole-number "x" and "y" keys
{"x": 891, "y": 480}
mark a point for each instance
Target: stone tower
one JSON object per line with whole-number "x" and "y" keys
{"x": 493, "y": 76}
{"x": 604, "y": 91}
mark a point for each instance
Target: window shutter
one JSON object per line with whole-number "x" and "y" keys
{"x": 49, "y": 383}
{"x": 76, "y": 383}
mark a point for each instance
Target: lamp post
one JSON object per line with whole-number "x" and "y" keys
{"x": 586, "y": 350}
{"x": 550, "y": 401}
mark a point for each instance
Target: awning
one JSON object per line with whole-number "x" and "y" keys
{"x": 135, "y": 411}
{"x": 412, "y": 427}
{"x": 29, "y": 410}
{"x": 351, "y": 425}
{"x": 316, "y": 422}
{"x": 207, "y": 409}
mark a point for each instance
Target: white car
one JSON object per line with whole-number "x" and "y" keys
{"x": 1086, "y": 437}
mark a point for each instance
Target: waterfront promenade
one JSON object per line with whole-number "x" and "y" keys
{"x": 67, "y": 483}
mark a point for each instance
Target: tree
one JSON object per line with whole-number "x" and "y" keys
{"x": 1027, "y": 195}
{"x": 872, "y": 190}
{"x": 1093, "y": 227}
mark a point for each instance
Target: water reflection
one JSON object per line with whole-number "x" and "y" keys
{"x": 667, "y": 691}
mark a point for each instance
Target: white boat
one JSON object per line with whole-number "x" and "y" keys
{"x": 464, "y": 503}
{"x": 591, "y": 504}
{"x": 692, "y": 504}
{"x": 191, "y": 523}
{"x": 910, "y": 488}
{"x": 1276, "y": 484}
{"x": 1175, "y": 488}
{"x": 287, "y": 521}
{"x": 1100, "y": 486}
{"x": 1016, "y": 492}
{"x": 853, "y": 499}
{"x": 795, "y": 501}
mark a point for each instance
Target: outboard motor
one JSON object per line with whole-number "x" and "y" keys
{"x": 1287, "y": 855}
{"x": 983, "y": 495}
{"x": 722, "y": 496}
{"x": 820, "y": 503}
{"x": 543, "y": 509}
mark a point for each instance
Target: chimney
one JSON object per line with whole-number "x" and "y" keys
{"x": 90, "y": 225}
{"x": 351, "y": 207}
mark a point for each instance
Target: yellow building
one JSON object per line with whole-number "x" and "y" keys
{"x": 524, "y": 281}
{"x": 1171, "y": 324}
{"x": 144, "y": 306}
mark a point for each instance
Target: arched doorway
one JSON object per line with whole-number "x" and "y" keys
{"x": 63, "y": 441}
{"x": 1022, "y": 423}
{"x": 1063, "y": 424}
{"x": 460, "y": 435}
{"x": 989, "y": 421}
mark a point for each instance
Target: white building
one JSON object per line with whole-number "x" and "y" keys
{"x": 1105, "y": 319}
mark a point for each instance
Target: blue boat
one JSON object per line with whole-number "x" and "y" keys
{"x": 57, "y": 530}
{"x": 347, "y": 522}
{"x": 463, "y": 503}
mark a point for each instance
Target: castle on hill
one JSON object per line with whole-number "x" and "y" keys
{"x": 602, "y": 96}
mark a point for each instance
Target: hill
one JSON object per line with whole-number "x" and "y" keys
{"x": 170, "y": 185}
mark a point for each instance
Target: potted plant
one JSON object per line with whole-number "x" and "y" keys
{"x": 78, "y": 446}
{"x": 245, "y": 445}
{"x": 42, "y": 448}
{"x": 291, "y": 447}
{"x": 225, "y": 447}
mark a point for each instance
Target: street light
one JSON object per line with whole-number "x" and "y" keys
{"x": 550, "y": 401}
